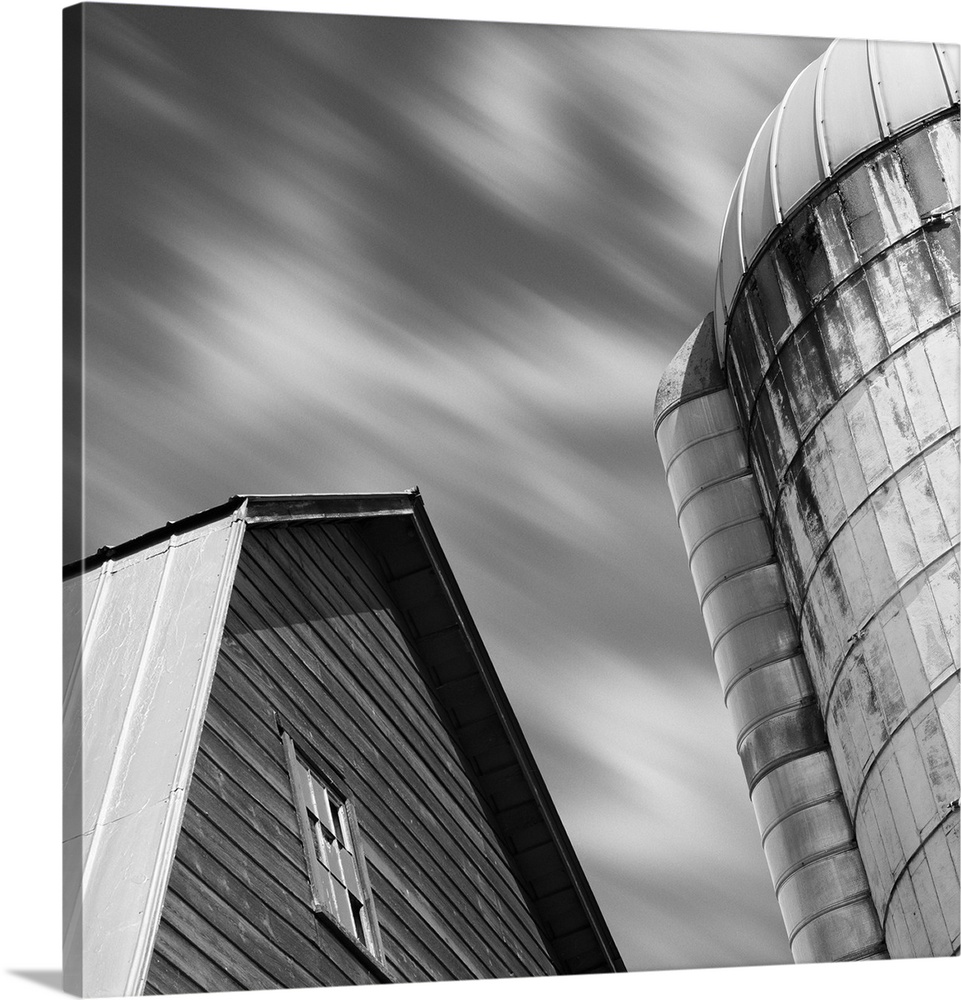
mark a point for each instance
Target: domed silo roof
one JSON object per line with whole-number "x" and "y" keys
{"x": 856, "y": 95}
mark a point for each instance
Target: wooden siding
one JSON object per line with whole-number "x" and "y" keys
{"x": 481, "y": 721}
{"x": 315, "y": 642}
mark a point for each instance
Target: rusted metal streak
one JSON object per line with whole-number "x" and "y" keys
{"x": 890, "y": 737}
{"x": 932, "y": 223}
{"x": 859, "y": 635}
{"x": 923, "y": 453}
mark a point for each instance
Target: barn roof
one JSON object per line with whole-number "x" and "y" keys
{"x": 480, "y": 718}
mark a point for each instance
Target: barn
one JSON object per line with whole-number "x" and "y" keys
{"x": 288, "y": 762}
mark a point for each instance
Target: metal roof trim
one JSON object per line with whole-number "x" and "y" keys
{"x": 152, "y": 537}
{"x": 258, "y": 508}
{"x": 287, "y": 507}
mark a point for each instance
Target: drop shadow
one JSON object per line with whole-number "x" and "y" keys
{"x": 53, "y": 978}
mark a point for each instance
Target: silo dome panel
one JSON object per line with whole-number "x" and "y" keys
{"x": 731, "y": 265}
{"x": 857, "y": 94}
{"x": 951, "y": 64}
{"x": 720, "y": 318}
{"x": 911, "y": 83}
{"x": 848, "y": 108}
{"x": 757, "y": 204}
{"x": 797, "y": 163}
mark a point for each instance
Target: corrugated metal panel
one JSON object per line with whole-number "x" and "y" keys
{"x": 149, "y": 648}
{"x": 949, "y": 56}
{"x": 757, "y": 199}
{"x": 910, "y": 82}
{"x": 806, "y": 829}
{"x": 849, "y": 115}
{"x": 730, "y": 503}
{"x": 797, "y": 157}
{"x": 730, "y": 264}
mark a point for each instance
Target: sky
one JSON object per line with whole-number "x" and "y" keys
{"x": 353, "y": 254}
{"x": 335, "y": 254}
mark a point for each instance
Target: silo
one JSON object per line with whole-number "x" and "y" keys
{"x": 837, "y": 332}
{"x": 804, "y": 824}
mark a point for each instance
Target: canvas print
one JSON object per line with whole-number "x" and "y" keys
{"x": 511, "y": 479}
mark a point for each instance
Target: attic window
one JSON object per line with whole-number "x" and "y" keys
{"x": 337, "y": 873}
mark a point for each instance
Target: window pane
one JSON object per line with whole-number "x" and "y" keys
{"x": 340, "y": 825}
{"x": 336, "y": 879}
{"x": 343, "y": 910}
{"x": 302, "y": 777}
{"x": 360, "y": 920}
{"x": 333, "y": 857}
{"x": 323, "y": 807}
{"x": 349, "y": 868}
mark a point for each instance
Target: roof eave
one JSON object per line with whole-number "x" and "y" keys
{"x": 516, "y": 737}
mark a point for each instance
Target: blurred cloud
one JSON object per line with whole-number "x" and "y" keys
{"x": 329, "y": 254}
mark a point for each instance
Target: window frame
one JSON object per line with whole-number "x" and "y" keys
{"x": 324, "y": 879}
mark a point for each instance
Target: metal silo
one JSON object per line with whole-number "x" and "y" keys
{"x": 837, "y": 332}
{"x": 805, "y": 829}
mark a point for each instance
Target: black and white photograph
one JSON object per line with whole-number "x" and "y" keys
{"x": 510, "y": 500}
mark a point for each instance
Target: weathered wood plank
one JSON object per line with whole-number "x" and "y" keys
{"x": 376, "y": 831}
{"x": 218, "y": 790}
{"x": 397, "y": 544}
{"x": 400, "y": 962}
{"x": 254, "y": 753}
{"x": 427, "y": 922}
{"x": 203, "y": 948}
{"x": 182, "y": 954}
{"x": 394, "y": 906}
{"x": 262, "y": 793}
{"x": 378, "y": 826}
{"x": 231, "y": 931}
{"x": 313, "y": 637}
{"x": 285, "y": 898}
{"x": 351, "y": 635}
{"x": 374, "y": 756}
{"x": 164, "y": 977}
{"x": 425, "y": 763}
{"x": 357, "y": 609}
{"x": 302, "y": 648}
{"x": 296, "y": 946}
